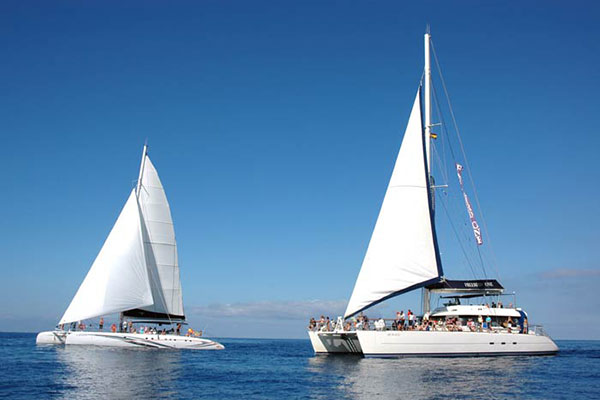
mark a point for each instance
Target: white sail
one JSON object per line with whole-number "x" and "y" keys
{"x": 401, "y": 254}
{"x": 160, "y": 246}
{"x": 118, "y": 278}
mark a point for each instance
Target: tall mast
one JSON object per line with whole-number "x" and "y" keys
{"x": 427, "y": 78}
{"x": 139, "y": 183}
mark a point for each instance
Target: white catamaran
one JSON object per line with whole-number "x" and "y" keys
{"x": 403, "y": 255}
{"x": 135, "y": 274}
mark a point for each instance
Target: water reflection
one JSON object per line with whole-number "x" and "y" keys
{"x": 118, "y": 373}
{"x": 364, "y": 378}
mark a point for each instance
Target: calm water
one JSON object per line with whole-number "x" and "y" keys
{"x": 252, "y": 368}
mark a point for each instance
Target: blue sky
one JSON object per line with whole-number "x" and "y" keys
{"x": 274, "y": 127}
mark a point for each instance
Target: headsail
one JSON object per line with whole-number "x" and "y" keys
{"x": 402, "y": 253}
{"x": 118, "y": 278}
{"x": 160, "y": 248}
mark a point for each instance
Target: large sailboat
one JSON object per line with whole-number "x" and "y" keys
{"x": 135, "y": 275}
{"x": 403, "y": 256}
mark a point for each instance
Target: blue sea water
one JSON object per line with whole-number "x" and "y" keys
{"x": 286, "y": 369}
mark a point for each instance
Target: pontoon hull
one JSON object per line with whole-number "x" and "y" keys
{"x": 334, "y": 342}
{"x": 452, "y": 344}
{"x": 129, "y": 340}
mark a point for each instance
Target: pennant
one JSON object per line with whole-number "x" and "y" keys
{"x": 474, "y": 224}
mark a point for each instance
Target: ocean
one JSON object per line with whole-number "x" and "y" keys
{"x": 286, "y": 369}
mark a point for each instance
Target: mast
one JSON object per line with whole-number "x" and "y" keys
{"x": 427, "y": 78}
{"x": 139, "y": 182}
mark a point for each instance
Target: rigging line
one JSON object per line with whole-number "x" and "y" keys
{"x": 494, "y": 261}
{"x": 459, "y": 242}
{"x": 446, "y": 133}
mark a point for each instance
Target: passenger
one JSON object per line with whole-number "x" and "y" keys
{"x": 101, "y": 324}
{"x": 471, "y": 325}
{"x": 509, "y": 324}
{"x": 480, "y": 323}
{"x": 499, "y": 304}
{"x": 411, "y": 319}
{"x": 488, "y": 323}
{"x": 493, "y": 305}
{"x": 142, "y": 330}
{"x": 402, "y": 321}
{"x": 130, "y": 326}
{"x": 124, "y": 326}
{"x": 328, "y": 324}
{"x": 113, "y": 328}
{"x": 179, "y": 327}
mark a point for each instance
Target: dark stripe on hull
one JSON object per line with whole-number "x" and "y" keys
{"x": 480, "y": 354}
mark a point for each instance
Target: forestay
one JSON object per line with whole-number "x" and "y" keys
{"x": 402, "y": 253}
{"x": 118, "y": 278}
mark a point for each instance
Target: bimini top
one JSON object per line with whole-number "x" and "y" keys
{"x": 491, "y": 286}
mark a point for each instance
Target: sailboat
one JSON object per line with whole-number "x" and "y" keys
{"x": 403, "y": 256}
{"x": 135, "y": 274}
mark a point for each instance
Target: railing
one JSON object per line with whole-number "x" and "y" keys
{"x": 389, "y": 324}
{"x": 537, "y": 330}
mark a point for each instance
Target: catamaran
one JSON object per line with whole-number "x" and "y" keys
{"x": 135, "y": 274}
{"x": 403, "y": 256}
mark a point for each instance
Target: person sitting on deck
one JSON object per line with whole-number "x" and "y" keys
{"x": 488, "y": 323}
{"x": 471, "y": 325}
{"x": 509, "y": 324}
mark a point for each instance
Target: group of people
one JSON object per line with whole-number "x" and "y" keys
{"x": 128, "y": 327}
{"x": 323, "y": 324}
{"x": 410, "y": 322}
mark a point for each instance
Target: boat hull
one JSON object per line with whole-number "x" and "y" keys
{"x": 335, "y": 342}
{"x": 128, "y": 340}
{"x": 452, "y": 344}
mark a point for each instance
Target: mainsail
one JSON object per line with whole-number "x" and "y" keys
{"x": 118, "y": 279}
{"x": 402, "y": 254}
{"x": 160, "y": 249}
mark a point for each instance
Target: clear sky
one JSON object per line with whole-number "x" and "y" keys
{"x": 274, "y": 126}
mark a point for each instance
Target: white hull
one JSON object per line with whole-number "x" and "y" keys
{"x": 452, "y": 344}
{"x": 128, "y": 340}
{"x": 334, "y": 342}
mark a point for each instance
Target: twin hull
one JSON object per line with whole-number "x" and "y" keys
{"x": 130, "y": 340}
{"x": 335, "y": 342}
{"x": 420, "y": 343}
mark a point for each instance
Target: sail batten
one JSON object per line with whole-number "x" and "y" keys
{"x": 402, "y": 253}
